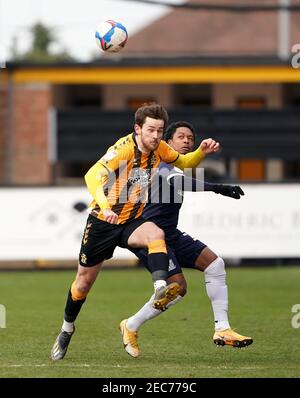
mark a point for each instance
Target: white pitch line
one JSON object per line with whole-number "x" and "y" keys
{"x": 65, "y": 365}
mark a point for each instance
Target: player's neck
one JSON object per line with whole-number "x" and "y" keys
{"x": 140, "y": 145}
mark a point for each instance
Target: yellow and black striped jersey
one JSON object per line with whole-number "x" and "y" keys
{"x": 129, "y": 175}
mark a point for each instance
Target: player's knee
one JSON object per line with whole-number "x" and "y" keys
{"x": 155, "y": 233}
{"x": 156, "y": 241}
{"x": 216, "y": 268}
{"x": 83, "y": 286}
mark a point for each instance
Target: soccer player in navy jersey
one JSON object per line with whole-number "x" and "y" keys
{"x": 164, "y": 203}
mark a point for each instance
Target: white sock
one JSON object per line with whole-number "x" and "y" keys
{"x": 175, "y": 301}
{"x": 159, "y": 283}
{"x": 216, "y": 288}
{"x": 68, "y": 326}
{"x": 146, "y": 313}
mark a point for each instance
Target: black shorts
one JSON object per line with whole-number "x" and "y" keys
{"x": 101, "y": 238}
{"x": 183, "y": 251}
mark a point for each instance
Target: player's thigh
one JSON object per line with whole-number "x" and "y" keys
{"x": 205, "y": 258}
{"x": 98, "y": 242}
{"x": 187, "y": 250}
{"x": 145, "y": 233}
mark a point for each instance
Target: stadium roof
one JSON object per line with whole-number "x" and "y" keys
{"x": 160, "y": 70}
{"x": 123, "y": 60}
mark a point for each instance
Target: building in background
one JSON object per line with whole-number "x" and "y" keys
{"x": 226, "y": 73}
{"x": 222, "y": 72}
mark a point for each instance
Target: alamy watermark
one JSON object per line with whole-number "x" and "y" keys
{"x": 296, "y": 318}
{"x": 2, "y": 316}
{"x": 132, "y": 186}
{"x": 296, "y": 58}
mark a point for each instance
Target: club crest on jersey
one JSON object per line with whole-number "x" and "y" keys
{"x": 140, "y": 177}
{"x": 83, "y": 258}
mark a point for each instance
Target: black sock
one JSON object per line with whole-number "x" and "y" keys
{"x": 72, "y": 308}
{"x": 158, "y": 264}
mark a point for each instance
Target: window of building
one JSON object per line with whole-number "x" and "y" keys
{"x": 291, "y": 95}
{"x": 291, "y": 170}
{"x": 77, "y": 95}
{"x": 251, "y": 170}
{"x": 136, "y": 102}
{"x": 198, "y": 95}
{"x": 72, "y": 172}
{"x": 251, "y": 102}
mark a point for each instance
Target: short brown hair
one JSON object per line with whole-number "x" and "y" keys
{"x": 153, "y": 110}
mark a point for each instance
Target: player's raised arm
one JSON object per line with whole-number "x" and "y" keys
{"x": 192, "y": 159}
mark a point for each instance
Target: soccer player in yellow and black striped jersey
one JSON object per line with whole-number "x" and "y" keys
{"x": 119, "y": 183}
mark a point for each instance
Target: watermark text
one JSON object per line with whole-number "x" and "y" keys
{"x": 2, "y": 316}
{"x": 296, "y": 58}
{"x": 296, "y": 318}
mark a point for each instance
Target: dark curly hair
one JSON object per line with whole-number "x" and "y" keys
{"x": 170, "y": 130}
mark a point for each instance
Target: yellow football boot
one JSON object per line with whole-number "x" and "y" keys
{"x": 165, "y": 295}
{"x": 130, "y": 341}
{"x": 230, "y": 337}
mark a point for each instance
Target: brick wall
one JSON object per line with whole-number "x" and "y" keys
{"x": 3, "y": 114}
{"x": 30, "y": 163}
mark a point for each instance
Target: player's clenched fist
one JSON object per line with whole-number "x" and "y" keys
{"x": 209, "y": 146}
{"x": 110, "y": 216}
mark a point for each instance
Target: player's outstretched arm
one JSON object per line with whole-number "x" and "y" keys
{"x": 192, "y": 159}
{"x": 185, "y": 183}
{"x": 232, "y": 191}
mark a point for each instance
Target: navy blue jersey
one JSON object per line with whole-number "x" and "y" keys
{"x": 166, "y": 192}
{"x": 165, "y": 200}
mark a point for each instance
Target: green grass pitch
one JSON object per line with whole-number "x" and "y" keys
{"x": 176, "y": 344}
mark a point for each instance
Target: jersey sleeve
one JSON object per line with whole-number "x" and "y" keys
{"x": 115, "y": 157}
{"x": 166, "y": 153}
{"x": 189, "y": 160}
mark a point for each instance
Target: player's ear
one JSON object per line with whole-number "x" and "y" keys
{"x": 137, "y": 129}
